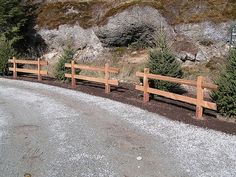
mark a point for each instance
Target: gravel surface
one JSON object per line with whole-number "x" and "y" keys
{"x": 51, "y": 131}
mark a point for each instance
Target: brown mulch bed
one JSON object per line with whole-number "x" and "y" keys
{"x": 171, "y": 109}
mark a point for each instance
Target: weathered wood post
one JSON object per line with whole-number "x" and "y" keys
{"x": 39, "y": 69}
{"x": 107, "y": 76}
{"x": 145, "y": 85}
{"x": 14, "y": 68}
{"x": 200, "y": 96}
{"x": 73, "y": 81}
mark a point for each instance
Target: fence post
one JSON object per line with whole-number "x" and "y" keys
{"x": 145, "y": 85}
{"x": 14, "y": 68}
{"x": 107, "y": 86}
{"x": 39, "y": 68}
{"x": 73, "y": 81}
{"x": 200, "y": 96}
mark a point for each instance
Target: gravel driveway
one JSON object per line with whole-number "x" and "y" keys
{"x": 54, "y": 132}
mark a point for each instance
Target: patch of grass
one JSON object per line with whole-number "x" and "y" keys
{"x": 52, "y": 15}
{"x": 209, "y": 69}
{"x": 92, "y": 12}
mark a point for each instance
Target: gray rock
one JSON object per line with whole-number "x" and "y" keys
{"x": 205, "y": 30}
{"x": 190, "y": 57}
{"x": 181, "y": 56}
{"x": 201, "y": 56}
{"x": 134, "y": 24}
{"x": 80, "y": 39}
{"x": 139, "y": 24}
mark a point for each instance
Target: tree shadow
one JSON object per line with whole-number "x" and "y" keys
{"x": 33, "y": 45}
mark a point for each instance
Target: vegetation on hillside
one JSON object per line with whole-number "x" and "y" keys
{"x": 93, "y": 12}
{"x": 225, "y": 96}
{"x": 12, "y": 23}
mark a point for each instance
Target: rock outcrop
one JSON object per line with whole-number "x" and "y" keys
{"x": 191, "y": 42}
{"x": 131, "y": 25}
{"x": 82, "y": 40}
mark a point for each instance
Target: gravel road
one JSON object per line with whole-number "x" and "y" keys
{"x": 54, "y": 132}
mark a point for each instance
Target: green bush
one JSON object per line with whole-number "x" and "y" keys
{"x": 6, "y": 53}
{"x": 60, "y": 68}
{"x": 225, "y": 96}
{"x": 163, "y": 62}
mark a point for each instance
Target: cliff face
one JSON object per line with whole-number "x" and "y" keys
{"x": 198, "y": 30}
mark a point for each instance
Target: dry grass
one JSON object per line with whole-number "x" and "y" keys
{"x": 95, "y": 12}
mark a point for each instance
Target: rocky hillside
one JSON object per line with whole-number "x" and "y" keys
{"x": 197, "y": 30}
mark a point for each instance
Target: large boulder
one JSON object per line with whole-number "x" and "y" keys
{"x": 80, "y": 39}
{"x": 134, "y": 24}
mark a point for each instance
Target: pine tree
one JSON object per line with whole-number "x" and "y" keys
{"x": 225, "y": 96}
{"x": 12, "y": 21}
{"x": 163, "y": 62}
{"x": 60, "y": 69}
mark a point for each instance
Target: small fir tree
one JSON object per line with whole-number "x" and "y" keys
{"x": 225, "y": 96}
{"x": 60, "y": 68}
{"x": 163, "y": 62}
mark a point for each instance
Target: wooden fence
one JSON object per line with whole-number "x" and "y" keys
{"x": 37, "y": 71}
{"x": 106, "y": 80}
{"x": 199, "y": 84}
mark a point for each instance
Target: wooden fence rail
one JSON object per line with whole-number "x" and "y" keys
{"x": 106, "y": 80}
{"x": 199, "y": 101}
{"x": 37, "y": 71}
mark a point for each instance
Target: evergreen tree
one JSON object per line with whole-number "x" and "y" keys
{"x": 60, "y": 69}
{"x": 163, "y": 62}
{"x": 12, "y": 21}
{"x": 225, "y": 96}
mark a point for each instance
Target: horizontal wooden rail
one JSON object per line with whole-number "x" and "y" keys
{"x": 177, "y": 80}
{"x": 93, "y": 79}
{"x": 30, "y": 71}
{"x": 92, "y": 68}
{"x": 104, "y": 80}
{"x": 199, "y": 101}
{"x": 29, "y": 62}
{"x": 178, "y": 97}
{"x": 37, "y": 71}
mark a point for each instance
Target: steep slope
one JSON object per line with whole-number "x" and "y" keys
{"x": 91, "y": 13}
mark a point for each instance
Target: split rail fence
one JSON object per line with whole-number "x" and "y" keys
{"x": 106, "y": 80}
{"x": 37, "y": 71}
{"x": 199, "y": 84}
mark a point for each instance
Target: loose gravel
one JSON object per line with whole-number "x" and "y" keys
{"x": 51, "y": 131}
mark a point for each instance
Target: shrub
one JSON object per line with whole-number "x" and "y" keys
{"x": 6, "y": 53}
{"x": 60, "y": 68}
{"x": 163, "y": 62}
{"x": 225, "y": 96}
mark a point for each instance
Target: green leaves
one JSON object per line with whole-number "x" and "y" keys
{"x": 225, "y": 96}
